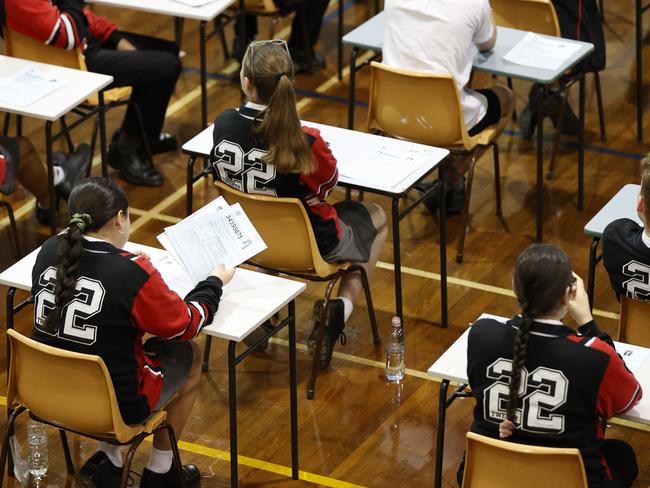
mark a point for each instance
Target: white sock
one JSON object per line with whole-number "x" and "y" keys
{"x": 113, "y": 452}
{"x": 347, "y": 308}
{"x": 160, "y": 461}
{"x": 59, "y": 174}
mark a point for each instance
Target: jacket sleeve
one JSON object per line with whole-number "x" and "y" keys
{"x": 325, "y": 176}
{"x": 619, "y": 390}
{"x": 161, "y": 312}
{"x": 61, "y": 24}
{"x": 101, "y": 28}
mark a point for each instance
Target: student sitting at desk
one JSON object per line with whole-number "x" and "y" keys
{"x": 443, "y": 36}
{"x": 626, "y": 246}
{"x": 538, "y": 381}
{"x": 20, "y": 161}
{"x": 261, "y": 148}
{"x": 149, "y": 65}
{"x": 126, "y": 297}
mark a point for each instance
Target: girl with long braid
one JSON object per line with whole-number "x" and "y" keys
{"x": 538, "y": 381}
{"x": 90, "y": 296}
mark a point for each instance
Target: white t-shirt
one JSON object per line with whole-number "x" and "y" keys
{"x": 439, "y": 36}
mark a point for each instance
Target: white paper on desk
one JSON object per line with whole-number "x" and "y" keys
{"x": 634, "y": 356}
{"x": 29, "y": 85}
{"x": 388, "y": 165}
{"x": 541, "y": 52}
{"x": 203, "y": 241}
{"x": 194, "y": 3}
{"x": 173, "y": 274}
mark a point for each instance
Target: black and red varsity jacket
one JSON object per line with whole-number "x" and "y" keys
{"x": 237, "y": 160}
{"x": 67, "y": 24}
{"x": 571, "y": 383}
{"x": 120, "y": 296}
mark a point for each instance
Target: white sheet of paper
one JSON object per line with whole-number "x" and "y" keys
{"x": 541, "y": 52}
{"x": 388, "y": 165}
{"x": 218, "y": 236}
{"x": 634, "y": 356}
{"x": 194, "y": 3}
{"x": 29, "y": 85}
{"x": 173, "y": 274}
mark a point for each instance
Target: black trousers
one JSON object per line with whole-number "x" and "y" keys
{"x": 313, "y": 11}
{"x": 152, "y": 71}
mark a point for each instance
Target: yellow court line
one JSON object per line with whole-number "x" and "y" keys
{"x": 159, "y": 216}
{"x": 475, "y": 285}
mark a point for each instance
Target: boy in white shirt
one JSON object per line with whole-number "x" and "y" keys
{"x": 443, "y": 36}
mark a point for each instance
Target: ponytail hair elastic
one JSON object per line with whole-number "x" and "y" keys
{"x": 82, "y": 220}
{"x": 280, "y": 75}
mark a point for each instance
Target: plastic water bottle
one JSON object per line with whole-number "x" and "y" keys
{"x": 37, "y": 445}
{"x": 395, "y": 353}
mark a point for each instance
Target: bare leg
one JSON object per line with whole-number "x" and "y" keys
{"x": 351, "y": 285}
{"x": 507, "y": 101}
{"x": 178, "y": 410}
{"x": 32, "y": 173}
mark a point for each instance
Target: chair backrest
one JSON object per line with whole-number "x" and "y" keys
{"x": 633, "y": 325}
{"x": 260, "y": 6}
{"x": 284, "y": 226}
{"x": 64, "y": 388}
{"x": 492, "y": 463}
{"x": 419, "y": 106}
{"x": 530, "y": 15}
{"x": 18, "y": 45}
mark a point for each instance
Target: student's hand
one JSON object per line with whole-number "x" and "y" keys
{"x": 225, "y": 275}
{"x": 312, "y": 201}
{"x": 125, "y": 45}
{"x": 506, "y": 429}
{"x": 579, "y": 302}
{"x": 142, "y": 254}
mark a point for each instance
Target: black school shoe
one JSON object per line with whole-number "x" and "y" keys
{"x": 454, "y": 196}
{"x": 166, "y": 143}
{"x": 333, "y": 329}
{"x": 552, "y": 109}
{"x": 99, "y": 472}
{"x": 257, "y": 334}
{"x": 130, "y": 163}
{"x": 75, "y": 168}
{"x": 303, "y": 65}
{"x": 169, "y": 479}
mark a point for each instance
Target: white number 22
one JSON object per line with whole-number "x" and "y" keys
{"x": 87, "y": 302}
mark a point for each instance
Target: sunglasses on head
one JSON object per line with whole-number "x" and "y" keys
{"x": 254, "y": 46}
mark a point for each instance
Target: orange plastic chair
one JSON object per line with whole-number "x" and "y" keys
{"x": 633, "y": 325}
{"x": 291, "y": 249}
{"x": 397, "y": 109}
{"x": 72, "y": 392}
{"x": 492, "y": 463}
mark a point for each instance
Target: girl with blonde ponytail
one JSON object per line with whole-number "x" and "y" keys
{"x": 538, "y": 381}
{"x": 263, "y": 148}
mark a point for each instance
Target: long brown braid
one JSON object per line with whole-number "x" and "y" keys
{"x": 92, "y": 203}
{"x": 542, "y": 274}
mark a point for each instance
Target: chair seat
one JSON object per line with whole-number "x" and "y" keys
{"x": 110, "y": 96}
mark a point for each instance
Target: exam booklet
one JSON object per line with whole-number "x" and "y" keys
{"x": 542, "y": 52}
{"x": 28, "y": 85}
{"x": 216, "y": 234}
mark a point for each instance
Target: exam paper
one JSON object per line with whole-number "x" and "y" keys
{"x": 634, "y": 356}
{"x": 29, "y": 85}
{"x": 388, "y": 165}
{"x": 173, "y": 274}
{"x": 541, "y": 52}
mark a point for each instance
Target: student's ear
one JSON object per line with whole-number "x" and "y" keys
{"x": 121, "y": 222}
{"x": 641, "y": 208}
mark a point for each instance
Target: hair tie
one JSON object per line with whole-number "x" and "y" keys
{"x": 83, "y": 220}
{"x": 280, "y": 75}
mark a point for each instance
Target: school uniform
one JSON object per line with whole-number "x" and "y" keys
{"x": 152, "y": 70}
{"x": 119, "y": 297}
{"x": 582, "y": 21}
{"x": 344, "y": 231}
{"x": 440, "y": 36}
{"x": 572, "y": 382}
{"x": 626, "y": 256}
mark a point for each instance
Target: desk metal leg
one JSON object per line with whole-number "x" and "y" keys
{"x": 178, "y": 31}
{"x": 293, "y": 386}
{"x": 11, "y": 294}
{"x": 102, "y": 133}
{"x": 339, "y": 41}
{"x": 232, "y": 398}
{"x": 50, "y": 177}
{"x": 440, "y": 438}
{"x": 204, "y": 83}
{"x": 581, "y": 140}
{"x": 189, "y": 190}
{"x": 397, "y": 259}
{"x": 540, "y": 162}
{"x": 442, "y": 205}
{"x": 591, "y": 278}
{"x": 639, "y": 72}
{"x": 352, "y": 87}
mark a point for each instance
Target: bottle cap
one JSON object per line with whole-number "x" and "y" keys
{"x": 396, "y": 322}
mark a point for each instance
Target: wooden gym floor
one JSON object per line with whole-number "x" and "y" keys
{"x": 360, "y": 431}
